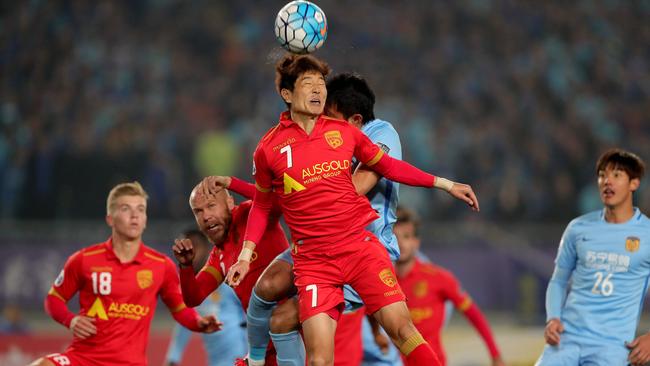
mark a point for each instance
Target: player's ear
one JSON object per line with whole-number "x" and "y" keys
{"x": 286, "y": 95}
{"x": 634, "y": 184}
{"x": 109, "y": 220}
{"x": 356, "y": 119}
{"x": 230, "y": 202}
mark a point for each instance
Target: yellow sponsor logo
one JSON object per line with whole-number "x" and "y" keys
{"x": 420, "y": 314}
{"x": 291, "y": 185}
{"x": 128, "y": 311}
{"x": 97, "y": 310}
{"x": 326, "y": 167}
{"x": 117, "y": 310}
{"x": 334, "y": 138}
{"x": 420, "y": 289}
{"x": 387, "y": 277}
{"x": 145, "y": 278}
{"x": 632, "y": 244}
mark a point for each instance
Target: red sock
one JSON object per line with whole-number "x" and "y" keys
{"x": 422, "y": 355}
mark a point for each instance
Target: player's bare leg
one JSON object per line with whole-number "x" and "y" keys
{"x": 396, "y": 321}
{"x": 275, "y": 283}
{"x": 319, "y": 331}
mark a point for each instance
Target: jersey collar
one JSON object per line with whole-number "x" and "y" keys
{"x": 110, "y": 253}
{"x": 286, "y": 121}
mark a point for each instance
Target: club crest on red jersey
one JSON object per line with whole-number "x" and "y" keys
{"x": 145, "y": 278}
{"x": 386, "y": 276}
{"x": 334, "y": 138}
{"x": 420, "y": 289}
{"x": 632, "y": 244}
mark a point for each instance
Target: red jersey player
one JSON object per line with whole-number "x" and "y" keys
{"x": 427, "y": 287}
{"x": 118, "y": 283}
{"x": 224, "y": 225}
{"x": 305, "y": 162}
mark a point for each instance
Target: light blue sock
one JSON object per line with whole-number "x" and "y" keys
{"x": 290, "y": 348}
{"x": 257, "y": 322}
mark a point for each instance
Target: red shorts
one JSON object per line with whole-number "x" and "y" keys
{"x": 64, "y": 359}
{"x": 348, "y": 344}
{"x": 321, "y": 271}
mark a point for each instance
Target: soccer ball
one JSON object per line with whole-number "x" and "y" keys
{"x": 301, "y": 27}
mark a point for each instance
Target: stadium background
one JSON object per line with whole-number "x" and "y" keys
{"x": 517, "y": 98}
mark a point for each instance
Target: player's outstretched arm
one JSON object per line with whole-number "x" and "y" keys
{"x": 194, "y": 288}
{"x": 639, "y": 350}
{"x": 402, "y": 172}
{"x": 480, "y": 323}
{"x": 215, "y": 183}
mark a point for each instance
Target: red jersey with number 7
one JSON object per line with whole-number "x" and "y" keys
{"x": 121, "y": 297}
{"x": 311, "y": 176}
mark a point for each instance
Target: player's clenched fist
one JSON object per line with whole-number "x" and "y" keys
{"x": 237, "y": 273}
{"x": 552, "y": 332}
{"x": 183, "y": 251}
{"x": 83, "y": 326}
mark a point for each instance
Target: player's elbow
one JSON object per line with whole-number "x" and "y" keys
{"x": 191, "y": 301}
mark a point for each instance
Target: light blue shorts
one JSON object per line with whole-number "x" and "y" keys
{"x": 577, "y": 352}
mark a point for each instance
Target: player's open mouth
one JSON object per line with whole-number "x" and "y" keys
{"x": 214, "y": 227}
{"x": 608, "y": 193}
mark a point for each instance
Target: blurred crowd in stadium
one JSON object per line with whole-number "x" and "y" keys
{"x": 517, "y": 98}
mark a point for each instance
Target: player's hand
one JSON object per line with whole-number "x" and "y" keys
{"x": 209, "y": 324}
{"x": 464, "y": 193}
{"x": 215, "y": 183}
{"x": 183, "y": 251}
{"x": 552, "y": 332}
{"x": 639, "y": 350}
{"x": 237, "y": 273}
{"x": 83, "y": 327}
{"x": 382, "y": 342}
{"x": 498, "y": 362}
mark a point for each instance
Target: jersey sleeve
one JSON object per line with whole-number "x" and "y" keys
{"x": 65, "y": 286}
{"x": 396, "y": 170}
{"x": 388, "y": 140}
{"x": 196, "y": 288}
{"x": 170, "y": 292}
{"x": 453, "y": 292}
{"x": 565, "y": 263}
{"x": 258, "y": 217}
{"x": 566, "y": 254}
{"x": 69, "y": 280}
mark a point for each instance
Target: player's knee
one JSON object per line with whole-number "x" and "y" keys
{"x": 321, "y": 360}
{"x": 266, "y": 288}
{"x": 284, "y": 318}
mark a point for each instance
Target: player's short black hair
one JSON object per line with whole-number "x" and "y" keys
{"x": 191, "y": 232}
{"x": 350, "y": 93}
{"x": 291, "y": 66}
{"x": 405, "y": 216}
{"x": 621, "y": 159}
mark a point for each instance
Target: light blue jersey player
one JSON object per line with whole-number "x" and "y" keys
{"x": 606, "y": 256}
{"x": 222, "y": 347}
